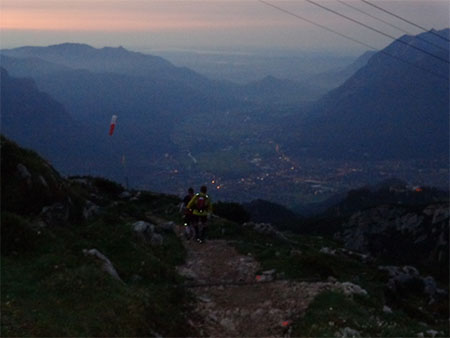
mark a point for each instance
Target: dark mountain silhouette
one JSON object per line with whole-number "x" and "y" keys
{"x": 269, "y": 212}
{"x": 77, "y": 70}
{"x": 119, "y": 61}
{"x": 107, "y": 59}
{"x": 388, "y": 109}
{"x": 392, "y": 192}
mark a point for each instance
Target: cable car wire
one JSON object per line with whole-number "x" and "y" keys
{"x": 405, "y": 20}
{"x": 391, "y": 25}
{"x": 352, "y": 39}
{"x": 377, "y": 31}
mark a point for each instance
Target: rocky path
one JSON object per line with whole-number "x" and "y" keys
{"x": 233, "y": 301}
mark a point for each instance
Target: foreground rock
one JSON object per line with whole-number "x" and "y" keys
{"x": 107, "y": 266}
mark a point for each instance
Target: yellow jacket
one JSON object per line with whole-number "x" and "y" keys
{"x": 200, "y": 199}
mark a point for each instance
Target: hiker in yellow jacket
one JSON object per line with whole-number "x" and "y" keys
{"x": 201, "y": 207}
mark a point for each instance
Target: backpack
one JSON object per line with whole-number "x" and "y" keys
{"x": 202, "y": 203}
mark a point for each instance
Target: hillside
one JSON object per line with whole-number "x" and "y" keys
{"x": 36, "y": 120}
{"x": 75, "y": 261}
{"x": 387, "y": 110}
{"x": 83, "y": 257}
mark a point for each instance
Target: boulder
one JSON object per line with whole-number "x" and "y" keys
{"x": 144, "y": 230}
{"x": 107, "y": 266}
{"x": 387, "y": 309}
{"x": 403, "y": 280}
{"x": 350, "y": 289}
{"x": 267, "y": 276}
{"x": 24, "y": 173}
{"x": 168, "y": 226}
{"x": 43, "y": 182}
{"x": 327, "y": 251}
{"x": 82, "y": 181}
{"x": 125, "y": 195}
{"x": 432, "y": 290}
{"x": 90, "y": 209}
{"x": 432, "y": 333}
{"x": 348, "y": 332}
{"x": 157, "y": 240}
{"x": 55, "y": 214}
{"x": 407, "y": 279}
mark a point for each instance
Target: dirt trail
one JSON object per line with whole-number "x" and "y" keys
{"x": 252, "y": 309}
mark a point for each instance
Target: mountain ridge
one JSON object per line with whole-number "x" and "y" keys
{"x": 386, "y": 109}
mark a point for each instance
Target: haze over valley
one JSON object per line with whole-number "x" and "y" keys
{"x": 271, "y": 137}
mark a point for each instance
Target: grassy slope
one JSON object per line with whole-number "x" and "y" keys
{"x": 54, "y": 289}
{"x": 50, "y": 288}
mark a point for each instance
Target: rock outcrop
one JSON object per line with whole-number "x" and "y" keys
{"x": 403, "y": 235}
{"x": 407, "y": 279}
{"x": 146, "y": 232}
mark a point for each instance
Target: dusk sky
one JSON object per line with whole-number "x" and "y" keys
{"x": 210, "y": 25}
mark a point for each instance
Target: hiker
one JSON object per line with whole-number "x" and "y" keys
{"x": 201, "y": 207}
{"x": 189, "y": 231}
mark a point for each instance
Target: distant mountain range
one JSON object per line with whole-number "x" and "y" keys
{"x": 93, "y": 83}
{"x": 155, "y": 100}
{"x": 103, "y": 60}
{"x": 388, "y": 109}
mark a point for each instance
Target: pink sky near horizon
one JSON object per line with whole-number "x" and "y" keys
{"x": 131, "y": 15}
{"x": 201, "y": 22}
{"x": 79, "y": 21}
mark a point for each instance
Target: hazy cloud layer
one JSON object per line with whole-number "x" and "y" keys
{"x": 203, "y": 24}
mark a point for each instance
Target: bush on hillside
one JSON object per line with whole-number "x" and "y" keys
{"x": 231, "y": 211}
{"x": 107, "y": 187}
{"x": 17, "y": 236}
